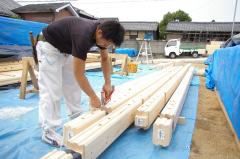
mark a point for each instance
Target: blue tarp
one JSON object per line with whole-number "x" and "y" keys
{"x": 20, "y": 135}
{"x": 223, "y": 73}
{"x": 129, "y": 51}
{"x": 16, "y": 31}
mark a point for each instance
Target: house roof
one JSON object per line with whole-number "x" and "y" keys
{"x": 6, "y": 6}
{"x": 52, "y": 7}
{"x": 82, "y": 13}
{"x": 140, "y": 26}
{"x": 202, "y": 26}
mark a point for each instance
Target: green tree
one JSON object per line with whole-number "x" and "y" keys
{"x": 175, "y": 16}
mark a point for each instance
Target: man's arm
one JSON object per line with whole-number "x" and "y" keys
{"x": 79, "y": 72}
{"x": 106, "y": 68}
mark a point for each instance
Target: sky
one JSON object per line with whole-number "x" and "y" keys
{"x": 153, "y": 10}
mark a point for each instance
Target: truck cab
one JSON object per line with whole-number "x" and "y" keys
{"x": 172, "y": 48}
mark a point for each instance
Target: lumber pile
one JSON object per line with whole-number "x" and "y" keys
{"x": 10, "y": 66}
{"x": 149, "y": 111}
{"x": 213, "y": 46}
{"x": 91, "y": 57}
{"x": 139, "y": 101}
{"x": 165, "y": 125}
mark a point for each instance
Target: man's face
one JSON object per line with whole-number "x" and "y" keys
{"x": 100, "y": 41}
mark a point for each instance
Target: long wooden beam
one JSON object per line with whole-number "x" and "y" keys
{"x": 149, "y": 111}
{"x": 92, "y": 141}
{"x": 80, "y": 123}
{"x": 121, "y": 95}
{"x": 165, "y": 125}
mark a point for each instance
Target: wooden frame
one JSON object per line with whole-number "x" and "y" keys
{"x": 28, "y": 67}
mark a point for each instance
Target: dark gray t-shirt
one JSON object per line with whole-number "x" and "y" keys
{"x": 72, "y": 35}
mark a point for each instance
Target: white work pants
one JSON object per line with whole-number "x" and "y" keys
{"x": 55, "y": 79}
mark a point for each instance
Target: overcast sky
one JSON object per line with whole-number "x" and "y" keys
{"x": 153, "y": 10}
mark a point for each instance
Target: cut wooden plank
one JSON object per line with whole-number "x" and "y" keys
{"x": 92, "y": 141}
{"x": 168, "y": 119}
{"x": 55, "y": 154}
{"x": 162, "y": 131}
{"x": 80, "y": 123}
{"x": 10, "y": 66}
{"x": 149, "y": 111}
{"x": 174, "y": 106}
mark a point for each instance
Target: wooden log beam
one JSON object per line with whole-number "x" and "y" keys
{"x": 166, "y": 123}
{"x": 92, "y": 141}
{"x": 149, "y": 111}
{"x": 80, "y": 123}
{"x": 123, "y": 94}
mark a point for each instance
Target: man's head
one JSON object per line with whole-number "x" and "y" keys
{"x": 109, "y": 33}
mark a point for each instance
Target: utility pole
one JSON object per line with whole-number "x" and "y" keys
{"x": 234, "y": 17}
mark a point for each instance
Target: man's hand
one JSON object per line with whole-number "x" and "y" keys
{"x": 95, "y": 102}
{"x": 107, "y": 88}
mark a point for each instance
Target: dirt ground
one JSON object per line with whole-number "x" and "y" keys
{"x": 212, "y": 137}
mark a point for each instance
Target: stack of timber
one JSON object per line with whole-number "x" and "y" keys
{"x": 149, "y": 111}
{"x": 214, "y": 45}
{"x": 91, "y": 57}
{"x": 165, "y": 125}
{"x": 11, "y": 72}
{"x": 91, "y": 133}
{"x": 122, "y": 93}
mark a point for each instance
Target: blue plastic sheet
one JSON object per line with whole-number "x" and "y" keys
{"x": 129, "y": 51}
{"x": 16, "y": 31}
{"x": 20, "y": 136}
{"x": 224, "y": 75}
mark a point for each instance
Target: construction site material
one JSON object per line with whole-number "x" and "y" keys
{"x": 166, "y": 123}
{"x": 59, "y": 154}
{"x": 10, "y": 66}
{"x": 149, "y": 111}
{"x": 214, "y": 45}
{"x": 182, "y": 60}
{"x": 132, "y": 67}
{"x": 80, "y": 123}
{"x": 122, "y": 94}
{"x": 28, "y": 67}
{"x": 92, "y": 141}
{"x": 124, "y": 62}
{"x": 91, "y": 57}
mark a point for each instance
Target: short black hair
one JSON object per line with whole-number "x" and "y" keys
{"x": 113, "y": 31}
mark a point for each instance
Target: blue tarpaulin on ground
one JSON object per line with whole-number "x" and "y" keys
{"x": 20, "y": 135}
{"x": 16, "y": 31}
{"x": 223, "y": 73}
{"x": 129, "y": 51}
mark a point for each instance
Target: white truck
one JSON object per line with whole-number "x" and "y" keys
{"x": 175, "y": 48}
